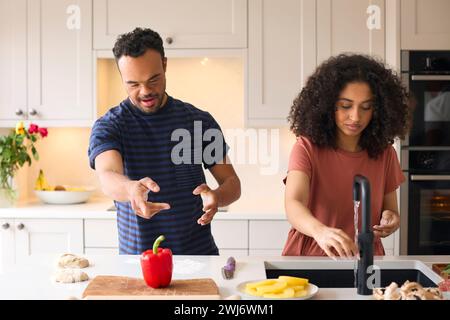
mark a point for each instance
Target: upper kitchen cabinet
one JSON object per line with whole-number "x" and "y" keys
{"x": 13, "y": 79}
{"x": 281, "y": 53}
{"x": 60, "y": 61}
{"x": 425, "y": 24}
{"x": 48, "y": 62}
{"x": 183, "y": 24}
{"x": 356, "y": 26}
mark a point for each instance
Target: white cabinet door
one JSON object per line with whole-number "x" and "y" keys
{"x": 6, "y": 243}
{"x": 356, "y": 26}
{"x": 101, "y": 233}
{"x": 281, "y": 53}
{"x": 60, "y": 61}
{"x": 13, "y": 85}
{"x": 425, "y": 24}
{"x": 181, "y": 23}
{"x": 43, "y": 238}
{"x": 268, "y": 234}
{"x": 230, "y": 234}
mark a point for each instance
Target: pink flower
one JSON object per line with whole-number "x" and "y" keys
{"x": 43, "y": 132}
{"x": 33, "y": 128}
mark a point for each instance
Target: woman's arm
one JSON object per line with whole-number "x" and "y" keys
{"x": 331, "y": 240}
{"x": 390, "y": 219}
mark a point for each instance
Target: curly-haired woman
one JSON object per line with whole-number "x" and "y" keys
{"x": 346, "y": 119}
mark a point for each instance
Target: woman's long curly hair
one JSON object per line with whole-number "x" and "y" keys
{"x": 313, "y": 112}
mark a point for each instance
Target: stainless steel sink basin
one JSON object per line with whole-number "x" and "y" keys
{"x": 340, "y": 274}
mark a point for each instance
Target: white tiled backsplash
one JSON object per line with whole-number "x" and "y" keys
{"x": 212, "y": 84}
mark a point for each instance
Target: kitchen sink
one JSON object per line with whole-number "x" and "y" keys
{"x": 340, "y": 274}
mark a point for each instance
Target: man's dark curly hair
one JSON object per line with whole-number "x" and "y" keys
{"x": 137, "y": 42}
{"x": 313, "y": 112}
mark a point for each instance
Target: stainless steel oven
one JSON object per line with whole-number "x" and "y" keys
{"x": 425, "y": 203}
{"x": 427, "y": 77}
{"x": 425, "y": 155}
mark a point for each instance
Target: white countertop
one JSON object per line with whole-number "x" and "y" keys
{"x": 97, "y": 208}
{"x": 32, "y": 280}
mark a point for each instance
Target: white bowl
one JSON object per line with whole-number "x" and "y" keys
{"x": 64, "y": 197}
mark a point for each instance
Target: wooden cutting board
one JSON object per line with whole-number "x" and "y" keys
{"x": 125, "y": 288}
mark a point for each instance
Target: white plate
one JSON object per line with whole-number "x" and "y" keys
{"x": 312, "y": 291}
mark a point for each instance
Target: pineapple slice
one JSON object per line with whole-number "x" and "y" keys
{"x": 285, "y": 294}
{"x": 294, "y": 281}
{"x": 252, "y": 292}
{"x": 277, "y": 287}
{"x": 298, "y": 288}
{"x": 300, "y": 293}
{"x": 254, "y": 285}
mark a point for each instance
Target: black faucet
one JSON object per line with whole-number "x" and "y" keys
{"x": 361, "y": 192}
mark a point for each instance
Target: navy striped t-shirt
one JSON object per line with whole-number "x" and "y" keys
{"x": 145, "y": 143}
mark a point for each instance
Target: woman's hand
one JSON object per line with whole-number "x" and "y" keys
{"x": 389, "y": 223}
{"x": 333, "y": 240}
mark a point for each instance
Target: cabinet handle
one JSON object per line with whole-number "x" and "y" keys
{"x": 33, "y": 112}
{"x": 20, "y": 226}
{"x": 169, "y": 40}
{"x": 19, "y": 112}
{"x": 5, "y": 226}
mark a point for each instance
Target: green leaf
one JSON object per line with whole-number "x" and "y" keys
{"x": 7, "y": 154}
{"x": 19, "y": 139}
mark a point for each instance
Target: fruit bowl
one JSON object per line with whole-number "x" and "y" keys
{"x": 68, "y": 196}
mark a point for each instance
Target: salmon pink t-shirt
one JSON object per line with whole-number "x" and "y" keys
{"x": 330, "y": 200}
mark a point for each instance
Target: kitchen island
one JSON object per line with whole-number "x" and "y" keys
{"x": 33, "y": 279}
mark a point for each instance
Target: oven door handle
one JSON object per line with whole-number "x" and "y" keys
{"x": 418, "y": 177}
{"x": 430, "y": 77}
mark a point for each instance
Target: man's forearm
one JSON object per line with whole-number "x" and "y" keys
{"x": 229, "y": 191}
{"x": 115, "y": 185}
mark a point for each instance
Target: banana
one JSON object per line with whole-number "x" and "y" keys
{"x": 41, "y": 183}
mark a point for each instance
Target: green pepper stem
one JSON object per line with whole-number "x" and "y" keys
{"x": 157, "y": 242}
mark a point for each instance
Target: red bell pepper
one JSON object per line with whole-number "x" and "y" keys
{"x": 157, "y": 265}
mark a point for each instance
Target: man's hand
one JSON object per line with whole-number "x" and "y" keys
{"x": 210, "y": 203}
{"x": 138, "y": 193}
{"x": 390, "y": 221}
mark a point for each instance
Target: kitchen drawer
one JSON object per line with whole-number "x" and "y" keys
{"x": 265, "y": 252}
{"x": 100, "y": 233}
{"x": 230, "y": 234}
{"x": 268, "y": 234}
{"x": 233, "y": 252}
{"x": 100, "y": 251}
